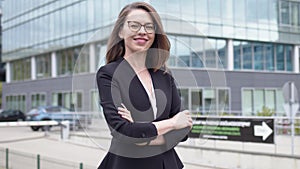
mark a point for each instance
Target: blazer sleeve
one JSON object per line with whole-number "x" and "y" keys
{"x": 110, "y": 99}
{"x": 173, "y": 137}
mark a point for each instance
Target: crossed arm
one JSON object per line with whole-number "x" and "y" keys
{"x": 180, "y": 120}
{"x": 123, "y": 126}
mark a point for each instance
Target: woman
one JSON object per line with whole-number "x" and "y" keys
{"x": 138, "y": 95}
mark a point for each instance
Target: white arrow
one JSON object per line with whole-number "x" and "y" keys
{"x": 264, "y": 130}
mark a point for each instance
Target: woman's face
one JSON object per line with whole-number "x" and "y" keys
{"x": 137, "y": 38}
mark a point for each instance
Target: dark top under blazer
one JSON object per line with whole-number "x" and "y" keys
{"x": 118, "y": 83}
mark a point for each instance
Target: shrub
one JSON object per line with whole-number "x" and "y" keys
{"x": 265, "y": 112}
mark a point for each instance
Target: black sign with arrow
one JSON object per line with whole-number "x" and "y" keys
{"x": 260, "y": 130}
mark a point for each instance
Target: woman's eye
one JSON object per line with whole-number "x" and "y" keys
{"x": 149, "y": 27}
{"x": 134, "y": 26}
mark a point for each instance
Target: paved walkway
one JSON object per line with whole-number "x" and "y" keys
{"x": 24, "y": 140}
{"x": 90, "y": 146}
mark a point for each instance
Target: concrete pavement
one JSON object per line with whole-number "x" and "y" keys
{"x": 89, "y": 147}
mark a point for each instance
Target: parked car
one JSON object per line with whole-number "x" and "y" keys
{"x": 56, "y": 113}
{"x": 12, "y": 115}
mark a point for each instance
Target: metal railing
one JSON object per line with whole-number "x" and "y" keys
{"x": 11, "y": 159}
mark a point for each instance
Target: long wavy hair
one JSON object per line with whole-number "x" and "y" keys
{"x": 156, "y": 58}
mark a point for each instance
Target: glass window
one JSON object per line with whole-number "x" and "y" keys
{"x": 263, "y": 14}
{"x": 295, "y": 13}
{"x": 258, "y": 50}
{"x": 183, "y": 52}
{"x": 269, "y": 51}
{"x": 161, "y": 6}
{"x": 270, "y": 99}
{"x": 100, "y": 55}
{"x": 239, "y": 11}
{"x": 67, "y": 58}
{"x": 201, "y": 15}
{"x": 221, "y": 50}
{"x": 223, "y": 100}
{"x": 184, "y": 97}
{"x": 299, "y": 14}
{"x": 289, "y": 55}
{"x": 76, "y": 17}
{"x": 196, "y": 96}
{"x": 251, "y": 10}
{"x": 227, "y": 11}
{"x": 38, "y": 100}
{"x": 237, "y": 54}
{"x": 279, "y": 102}
{"x": 172, "y": 58}
{"x": 273, "y": 13}
{"x": 16, "y": 102}
{"x": 214, "y": 9}
{"x": 211, "y": 53}
{"x": 209, "y": 96}
{"x": 280, "y": 57}
{"x": 21, "y": 69}
{"x": 247, "y": 56}
{"x": 83, "y": 59}
{"x": 284, "y": 12}
{"x": 174, "y": 8}
{"x": 97, "y": 18}
{"x": 187, "y": 9}
{"x": 70, "y": 100}
{"x": 197, "y": 45}
{"x": 95, "y": 101}
{"x": 247, "y": 102}
{"x": 43, "y": 66}
{"x": 259, "y": 100}
{"x": 105, "y": 12}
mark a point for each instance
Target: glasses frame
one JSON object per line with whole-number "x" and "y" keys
{"x": 140, "y": 26}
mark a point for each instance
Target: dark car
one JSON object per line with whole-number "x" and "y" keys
{"x": 12, "y": 115}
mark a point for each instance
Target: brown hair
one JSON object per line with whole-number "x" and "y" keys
{"x": 155, "y": 58}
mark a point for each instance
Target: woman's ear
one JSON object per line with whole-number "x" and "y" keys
{"x": 121, "y": 34}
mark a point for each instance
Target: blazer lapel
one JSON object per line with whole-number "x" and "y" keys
{"x": 138, "y": 99}
{"x": 161, "y": 99}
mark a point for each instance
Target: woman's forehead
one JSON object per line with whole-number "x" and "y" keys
{"x": 139, "y": 15}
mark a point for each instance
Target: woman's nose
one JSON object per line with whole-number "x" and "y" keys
{"x": 142, "y": 30}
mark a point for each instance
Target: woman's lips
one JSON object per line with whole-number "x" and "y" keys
{"x": 141, "y": 41}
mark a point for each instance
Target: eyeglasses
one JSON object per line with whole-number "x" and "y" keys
{"x": 136, "y": 26}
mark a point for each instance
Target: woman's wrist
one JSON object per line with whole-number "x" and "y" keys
{"x": 171, "y": 121}
{"x": 164, "y": 126}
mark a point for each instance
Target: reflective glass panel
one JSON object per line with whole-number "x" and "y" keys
{"x": 259, "y": 100}
{"x": 197, "y": 105}
{"x": 237, "y": 54}
{"x": 280, "y": 57}
{"x": 247, "y": 104}
{"x": 247, "y": 56}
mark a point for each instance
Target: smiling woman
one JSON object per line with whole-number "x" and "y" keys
{"x": 139, "y": 96}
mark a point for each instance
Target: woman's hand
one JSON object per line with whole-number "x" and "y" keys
{"x": 182, "y": 119}
{"x": 125, "y": 113}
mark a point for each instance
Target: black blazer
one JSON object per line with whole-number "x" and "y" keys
{"x": 118, "y": 83}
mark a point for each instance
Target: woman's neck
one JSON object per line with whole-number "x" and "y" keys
{"x": 137, "y": 61}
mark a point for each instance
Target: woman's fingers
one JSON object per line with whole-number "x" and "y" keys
{"x": 183, "y": 119}
{"x": 125, "y": 113}
{"x": 125, "y": 116}
{"x": 123, "y": 106}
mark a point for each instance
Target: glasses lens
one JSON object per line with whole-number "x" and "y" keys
{"x": 150, "y": 28}
{"x": 134, "y": 26}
